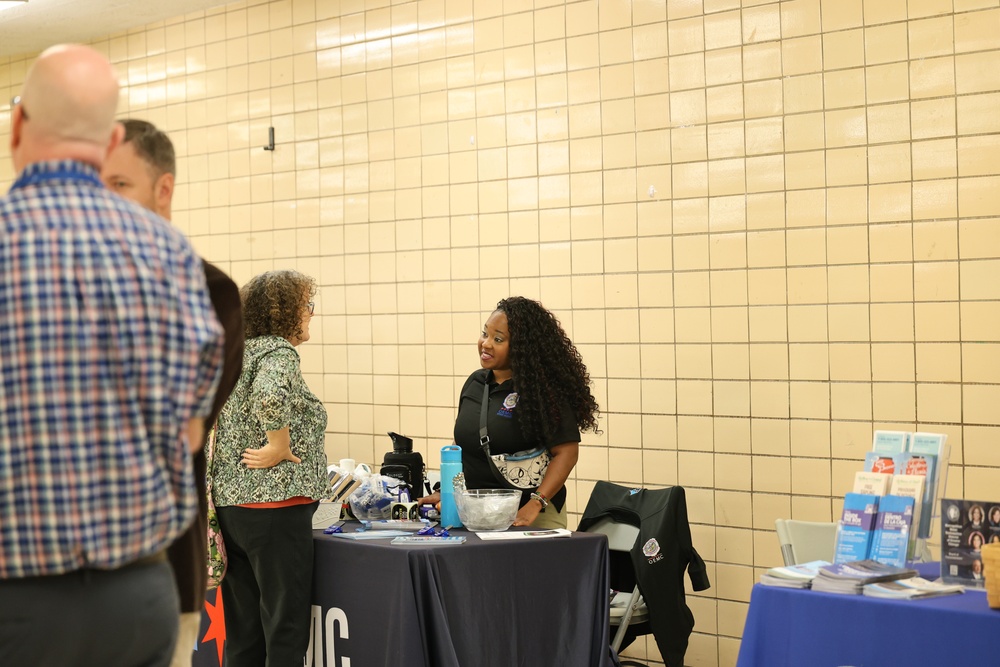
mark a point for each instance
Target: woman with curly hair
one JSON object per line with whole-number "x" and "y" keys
{"x": 268, "y": 473}
{"x": 538, "y": 396}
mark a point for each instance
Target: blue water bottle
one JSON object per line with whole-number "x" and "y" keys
{"x": 451, "y": 465}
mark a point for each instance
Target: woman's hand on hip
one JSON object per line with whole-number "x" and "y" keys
{"x": 277, "y": 449}
{"x": 268, "y": 456}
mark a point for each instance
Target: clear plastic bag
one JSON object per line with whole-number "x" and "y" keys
{"x": 373, "y": 500}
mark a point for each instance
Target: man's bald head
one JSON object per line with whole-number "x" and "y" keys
{"x": 67, "y": 107}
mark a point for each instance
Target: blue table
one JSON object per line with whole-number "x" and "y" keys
{"x": 792, "y": 628}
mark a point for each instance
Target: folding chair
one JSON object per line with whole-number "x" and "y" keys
{"x": 805, "y": 541}
{"x": 622, "y": 537}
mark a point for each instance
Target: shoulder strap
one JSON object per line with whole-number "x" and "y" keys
{"x": 210, "y": 460}
{"x": 484, "y": 437}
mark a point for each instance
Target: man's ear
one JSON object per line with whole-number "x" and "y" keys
{"x": 117, "y": 135}
{"x": 16, "y": 124}
{"x": 163, "y": 193}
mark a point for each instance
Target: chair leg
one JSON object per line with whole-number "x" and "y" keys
{"x": 624, "y": 622}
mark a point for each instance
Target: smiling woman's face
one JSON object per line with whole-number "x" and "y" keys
{"x": 494, "y": 346}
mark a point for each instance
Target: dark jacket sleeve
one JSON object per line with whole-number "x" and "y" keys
{"x": 226, "y": 301}
{"x": 188, "y": 553}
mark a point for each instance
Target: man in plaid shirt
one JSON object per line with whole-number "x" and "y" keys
{"x": 109, "y": 359}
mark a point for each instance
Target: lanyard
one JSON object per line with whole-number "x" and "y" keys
{"x": 66, "y": 170}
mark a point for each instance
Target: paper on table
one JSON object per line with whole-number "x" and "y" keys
{"x": 525, "y": 534}
{"x": 373, "y": 534}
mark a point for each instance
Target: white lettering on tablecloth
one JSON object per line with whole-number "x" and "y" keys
{"x": 316, "y": 656}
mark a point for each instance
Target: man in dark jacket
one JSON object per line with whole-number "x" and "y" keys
{"x": 143, "y": 169}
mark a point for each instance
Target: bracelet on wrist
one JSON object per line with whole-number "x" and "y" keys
{"x": 543, "y": 501}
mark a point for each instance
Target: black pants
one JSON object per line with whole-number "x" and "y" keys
{"x": 116, "y": 618}
{"x": 267, "y": 589}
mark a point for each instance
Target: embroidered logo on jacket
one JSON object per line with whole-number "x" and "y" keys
{"x": 509, "y": 404}
{"x": 651, "y": 550}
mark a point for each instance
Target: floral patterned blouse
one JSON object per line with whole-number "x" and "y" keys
{"x": 270, "y": 395}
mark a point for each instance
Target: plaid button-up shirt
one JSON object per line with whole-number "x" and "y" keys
{"x": 108, "y": 345}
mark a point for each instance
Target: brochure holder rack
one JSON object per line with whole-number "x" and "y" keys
{"x": 922, "y": 552}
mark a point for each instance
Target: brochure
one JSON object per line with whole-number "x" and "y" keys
{"x": 892, "y": 530}
{"x": 857, "y": 527}
{"x": 851, "y": 577}
{"x": 793, "y": 576}
{"x": 525, "y": 534}
{"x": 374, "y": 534}
{"x": 908, "y": 589}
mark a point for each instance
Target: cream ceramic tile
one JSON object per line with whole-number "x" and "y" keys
{"x": 581, "y": 18}
{"x": 648, "y": 11}
{"x": 800, "y": 17}
{"x": 616, "y": 81}
{"x": 724, "y": 66}
{"x": 730, "y": 362}
{"x": 976, "y": 31}
{"x": 762, "y": 61}
{"x": 892, "y": 322}
{"x": 889, "y": 122}
{"x": 934, "y": 200}
{"x": 932, "y": 77}
{"x": 977, "y": 445}
{"x": 721, "y": 30}
{"x": 841, "y": 15}
{"x": 802, "y": 56}
{"x": 848, "y": 49}
{"x": 686, "y": 35}
{"x": 687, "y": 71}
{"x": 771, "y": 474}
{"x": 938, "y": 402}
{"x": 809, "y": 400}
{"x": 553, "y": 157}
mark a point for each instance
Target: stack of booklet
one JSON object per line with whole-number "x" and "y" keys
{"x": 907, "y": 589}
{"x": 793, "y": 576}
{"x": 850, "y": 578}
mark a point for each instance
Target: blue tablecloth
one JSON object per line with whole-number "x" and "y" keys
{"x": 796, "y": 628}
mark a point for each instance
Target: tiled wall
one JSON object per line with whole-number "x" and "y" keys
{"x": 770, "y": 227}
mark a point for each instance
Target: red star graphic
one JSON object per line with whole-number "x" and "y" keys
{"x": 217, "y": 623}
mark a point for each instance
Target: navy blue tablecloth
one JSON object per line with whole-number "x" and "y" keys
{"x": 523, "y": 603}
{"x": 792, "y": 628}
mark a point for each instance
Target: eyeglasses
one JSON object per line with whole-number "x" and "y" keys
{"x": 16, "y": 101}
{"x": 312, "y": 307}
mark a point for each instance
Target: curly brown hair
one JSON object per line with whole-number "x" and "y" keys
{"x": 273, "y": 303}
{"x": 547, "y": 370}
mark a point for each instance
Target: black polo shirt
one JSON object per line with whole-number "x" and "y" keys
{"x": 504, "y": 431}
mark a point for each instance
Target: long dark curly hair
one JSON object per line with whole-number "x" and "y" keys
{"x": 547, "y": 370}
{"x": 273, "y": 303}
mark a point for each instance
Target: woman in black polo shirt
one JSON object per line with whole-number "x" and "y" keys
{"x": 539, "y": 395}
